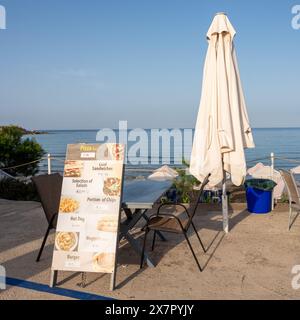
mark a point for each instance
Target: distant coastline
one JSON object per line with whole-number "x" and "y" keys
{"x": 27, "y": 132}
{"x": 46, "y": 131}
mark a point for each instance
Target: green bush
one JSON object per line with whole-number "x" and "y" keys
{"x": 284, "y": 198}
{"x": 15, "y": 151}
{"x": 184, "y": 185}
{"x": 12, "y": 189}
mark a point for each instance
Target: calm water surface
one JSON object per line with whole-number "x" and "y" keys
{"x": 284, "y": 142}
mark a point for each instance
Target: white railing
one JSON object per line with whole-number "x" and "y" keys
{"x": 50, "y": 158}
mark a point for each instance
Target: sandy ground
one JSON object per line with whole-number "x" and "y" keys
{"x": 254, "y": 261}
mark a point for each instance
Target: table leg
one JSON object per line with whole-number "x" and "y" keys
{"x": 138, "y": 249}
{"x": 138, "y": 213}
{"x": 128, "y": 213}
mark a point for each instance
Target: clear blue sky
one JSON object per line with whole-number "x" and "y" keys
{"x": 67, "y": 64}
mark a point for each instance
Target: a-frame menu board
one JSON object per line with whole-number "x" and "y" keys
{"x": 87, "y": 230}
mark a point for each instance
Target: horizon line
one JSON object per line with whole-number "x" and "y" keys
{"x": 188, "y": 128}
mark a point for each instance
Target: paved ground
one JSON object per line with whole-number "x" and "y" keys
{"x": 253, "y": 262}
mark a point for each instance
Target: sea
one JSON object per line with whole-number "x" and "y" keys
{"x": 283, "y": 142}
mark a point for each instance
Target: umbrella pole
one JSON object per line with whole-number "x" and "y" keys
{"x": 225, "y": 205}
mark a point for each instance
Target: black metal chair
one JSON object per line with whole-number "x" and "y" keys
{"x": 49, "y": 190}
{"x": 164, "y": 222}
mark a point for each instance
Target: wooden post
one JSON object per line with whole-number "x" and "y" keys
{"x": 272, "y": 163}
{"x": 49, "y": 163}
{"x": 272, "y": 175}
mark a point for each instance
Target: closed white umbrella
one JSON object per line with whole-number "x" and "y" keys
{"x": 296, "y": 170}
{"x": 168, "y": 170}
{"x": 163, "y": 173}
{"x": 222, "y": 130}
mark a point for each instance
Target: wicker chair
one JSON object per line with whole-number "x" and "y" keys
{"x": 293, "y": 193}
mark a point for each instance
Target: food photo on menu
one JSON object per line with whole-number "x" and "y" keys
{"x": 112, "y": 186}
{"x": 73, "y": 169}
{"x": 66, "y": 241}
{"x": 68, "y": 205}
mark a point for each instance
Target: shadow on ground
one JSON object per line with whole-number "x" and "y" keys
{"x": 23, "y": 226}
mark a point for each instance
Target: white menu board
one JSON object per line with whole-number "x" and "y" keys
{"x": 89, "y": 211}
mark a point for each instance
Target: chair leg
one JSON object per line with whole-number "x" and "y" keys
{"x": 290, "y": 218}
{"x": 43, "y": 243}
{"x": 153, "y": 241}
{"x": 197, "y": 234}
{"x": 143, "y": 250}
{"x": 191, "y": 248}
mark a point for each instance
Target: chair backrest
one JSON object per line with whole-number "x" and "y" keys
{"x": 291, "y": 186}
{"x": 194, "y": 205}
{"x": 49, "y": 190}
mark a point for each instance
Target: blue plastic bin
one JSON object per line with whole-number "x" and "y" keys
{"x": 259, "y": 201}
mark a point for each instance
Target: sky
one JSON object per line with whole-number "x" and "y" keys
{"x": 87, "y": 64}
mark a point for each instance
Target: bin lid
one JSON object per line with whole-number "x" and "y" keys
{"x": 261, "y": 184}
